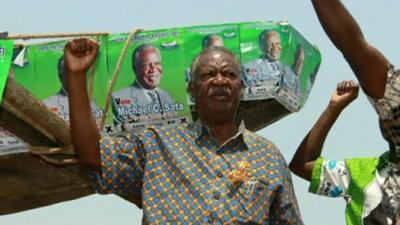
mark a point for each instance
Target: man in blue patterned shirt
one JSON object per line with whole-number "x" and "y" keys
{"x": 213, "y": 171}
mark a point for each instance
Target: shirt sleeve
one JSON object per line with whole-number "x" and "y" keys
{"x": 391, "y": 98}
{"x": 330, "y": 178}
{"x": 284, "y": 208}
{"x": 122, "y": 161}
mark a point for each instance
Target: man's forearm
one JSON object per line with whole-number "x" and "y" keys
{"x": 84, "y": 131}
{"x": 317, "y": 135}
{"x": 311, "y": 147}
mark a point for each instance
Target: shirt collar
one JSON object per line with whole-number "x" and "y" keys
{"x": 201, "y": 129}
{"x": 143, "y": 88}
{"x": 385, "y": 157}
{"x": 269, "y": 60}
{"x": 63, "y": 92}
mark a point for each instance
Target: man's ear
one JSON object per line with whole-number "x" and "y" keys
{"x": 241, "y": 88}
{"x": 190, "y": 88}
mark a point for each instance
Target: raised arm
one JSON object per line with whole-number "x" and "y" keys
{"x": 79, "y": 56}
{"x": 369, "y": 64}
{"x": 310, "y": 148}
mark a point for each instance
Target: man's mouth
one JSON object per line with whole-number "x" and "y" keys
{"x": 152, "y": 77}
{"x": 220, "y": 93}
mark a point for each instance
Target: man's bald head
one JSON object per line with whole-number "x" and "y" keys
{"x": 225, "y": 53}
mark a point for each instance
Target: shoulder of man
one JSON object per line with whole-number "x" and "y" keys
{"x": 161, "y": 132}
{"x": 254, "y": 63}
{"x": 165, "y": 94}
{"x": 121, "y": 93}
{"x": 57, "y": 99}
{"x": 253, "y": 138}
{"x": 129, "y": 92}
{"x": 51, "y": 100}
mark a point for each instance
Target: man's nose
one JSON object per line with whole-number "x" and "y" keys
{"x": 219, "y": 79}
{"x": 151, "y": 67}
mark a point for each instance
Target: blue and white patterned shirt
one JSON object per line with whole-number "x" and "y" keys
{"x": 186, "y": 177}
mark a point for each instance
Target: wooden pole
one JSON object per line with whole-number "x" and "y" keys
{"x": 59, "y": 35}
{"x": 30, "y": 110}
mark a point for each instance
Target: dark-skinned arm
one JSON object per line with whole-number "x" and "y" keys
{"x": 369, "y": 64}
{"x": 80, "y": 55}
{"x": 310, "y": 148}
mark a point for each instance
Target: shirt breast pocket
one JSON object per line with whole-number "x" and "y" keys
{"x": 253, "y": 196}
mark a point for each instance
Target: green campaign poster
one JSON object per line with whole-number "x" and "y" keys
{"x": 151, "y": 88}
{"x": 8, "y": 142}
{"x": 44, "y": 75}
{"x": 25, "y": 69}
{"x": 277, "y": 63}
{"x": 6, "y": 52}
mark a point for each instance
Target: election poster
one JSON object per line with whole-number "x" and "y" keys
{"x": 151, "y": 89}
{"x": 277, "y": 63}
{"x": 44, "y": 75}
{"x": 9, "y": 143}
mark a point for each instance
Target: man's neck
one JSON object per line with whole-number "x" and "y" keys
{"x": 269, "y": 59}
{"x": 393, "y": 158}
{"x": 222, "y": 131}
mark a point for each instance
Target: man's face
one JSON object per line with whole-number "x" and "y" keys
{"x": 149, "y": 69}
{"x": 216, "y": 41}
{"x": 217, "y": 85}
{"x": 273, "y": 46}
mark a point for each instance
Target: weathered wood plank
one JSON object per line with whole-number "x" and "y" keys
{"x": 27, "y": 182}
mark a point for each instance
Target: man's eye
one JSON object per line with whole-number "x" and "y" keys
{"x": 207, "y": 75}
{"x": 231, "y": 74}
{"x": 145, "y": 66}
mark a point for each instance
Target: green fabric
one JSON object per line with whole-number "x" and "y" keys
{"x": 362, "y": 172}
{"x": 316, "y": 174}
{"x": 6, "y": 51}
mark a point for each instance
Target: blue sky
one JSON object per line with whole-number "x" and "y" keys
{"x": 355, "y": 134}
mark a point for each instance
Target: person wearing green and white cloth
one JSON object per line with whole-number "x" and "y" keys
{"x": 370, "y": 186}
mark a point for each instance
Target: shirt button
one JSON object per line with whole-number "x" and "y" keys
{"x": 218, "y": 222}
{"x": 217, "y": 195}
{"x": 219, "y": 174}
